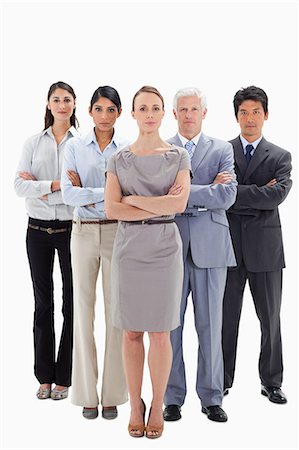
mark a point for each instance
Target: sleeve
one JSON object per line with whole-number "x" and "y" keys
{"x": 76, "y": 195}
{"x": 216, "y": 196}
{"x": 55, "y": 198}
{"x": 185, "y": 162}
{"x": 111, "y": 166}
{"x": 253, "y": 197}
{"x": 29, "y": 188}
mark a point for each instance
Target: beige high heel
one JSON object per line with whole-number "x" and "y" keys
{"x": 155, "y": 430}
{"x": 138, "y": 428}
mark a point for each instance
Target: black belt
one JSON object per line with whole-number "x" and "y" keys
{"x": 147, "y": 222}
{"x": 49, "y": 230}
{"x": 97, "y": 222}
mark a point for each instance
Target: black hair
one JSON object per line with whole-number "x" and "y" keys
{"x": 107, "y": 92}
{"x": 250, "y": 93}
{"x": 49, "y": 119}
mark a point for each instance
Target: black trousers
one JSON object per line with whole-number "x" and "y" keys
{"x": 266, "y": 289}
{"x": 41, "y": 248}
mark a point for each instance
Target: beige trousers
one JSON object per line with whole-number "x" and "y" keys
{"x": 91, "y": 246}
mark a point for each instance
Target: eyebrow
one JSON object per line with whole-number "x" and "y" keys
{"x": 155, "y": 104}
{"x": 66, "y": 96}
{"x": 101, "y": 106}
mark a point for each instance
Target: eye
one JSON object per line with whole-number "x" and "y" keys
{"x": 98, "y": 109}
{"x": 256, "y": 113}
{"x": 67, "y": 100}
{"x": 142, "y": 108}
{"x": 156, "y": 108}
{"x": 55, "y": 100}
{"x": 195, "y": 109}
{"x": 112, "y": 110}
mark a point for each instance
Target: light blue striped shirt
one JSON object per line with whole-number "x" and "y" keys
{"x": 84, "y": 156}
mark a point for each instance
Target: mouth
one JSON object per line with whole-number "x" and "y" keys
{"x": 150, "y": 123}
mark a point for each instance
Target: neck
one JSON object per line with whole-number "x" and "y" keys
{"x": 189, "y": 136}
{"x": 60, "y": 128}
{"x": 103, "y": 136}
{"x": 251, "y": 138}
{"x": 149, "y": 140}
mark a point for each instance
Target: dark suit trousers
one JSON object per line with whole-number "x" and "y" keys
{"x": 41, "y": 248}
{"x": 265, "y": 288}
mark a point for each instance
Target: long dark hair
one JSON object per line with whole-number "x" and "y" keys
{"x": 107, "y": 92}
{"x": 49, "y": 119}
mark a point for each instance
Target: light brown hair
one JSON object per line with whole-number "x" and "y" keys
{"x": 150, "y": 90}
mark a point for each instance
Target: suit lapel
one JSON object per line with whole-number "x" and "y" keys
{"x": 200, "y": 152}
{"x": 261, "y": 152}
{"x": 240, "y": 159}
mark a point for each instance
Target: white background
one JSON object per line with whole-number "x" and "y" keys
{"x": 217, "y": 46}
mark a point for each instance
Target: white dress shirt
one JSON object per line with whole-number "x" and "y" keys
{"x": 42, "y": 157}
{"x": 184, "y": 141}
{"x": 254, "y": 144}
{"x": 84, "y": 156}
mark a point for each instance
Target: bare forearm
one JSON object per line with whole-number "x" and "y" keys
{"x": 120, "y": 211}
{"x": 162, "y": 205}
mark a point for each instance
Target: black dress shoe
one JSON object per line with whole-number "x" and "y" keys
{"x": 274, "y": 394}
{"x": 172, "y": 413}
{"x": 214, "y": 413}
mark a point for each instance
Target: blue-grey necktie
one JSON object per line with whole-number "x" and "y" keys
{"x": 189, "y": 147}
{"x": 248, "y": 155}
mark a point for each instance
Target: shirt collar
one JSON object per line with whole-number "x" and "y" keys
{"x": 72, "y": 130}
{"x": 91, "y": 137}
{"x": 254, "y": 143}
{"x": 195, "y": 139}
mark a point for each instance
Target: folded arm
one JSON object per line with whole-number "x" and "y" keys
{"x": 115, "y": 208}
{"x": 270, "y": 195}
{"x": 221, "y": 193}
{"x": 73, "y": 193}
{"x": 169, "y": 204}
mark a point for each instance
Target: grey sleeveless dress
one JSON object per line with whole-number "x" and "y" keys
{"x": 147, "y": 262}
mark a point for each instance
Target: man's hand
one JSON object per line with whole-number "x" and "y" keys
{"x": 271, "y": 182}
{"x": 74, "y": 178}
{"x": 223, "y": 178}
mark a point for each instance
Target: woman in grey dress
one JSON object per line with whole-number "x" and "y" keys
{"x": 147, "y": 184}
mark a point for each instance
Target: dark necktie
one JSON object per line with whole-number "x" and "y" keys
{"x": 248, "y": 155}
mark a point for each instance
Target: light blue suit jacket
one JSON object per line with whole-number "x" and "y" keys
{"x": 204, "y": 224}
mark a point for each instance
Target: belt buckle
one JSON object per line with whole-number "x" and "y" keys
{"x": 50, "y": 230}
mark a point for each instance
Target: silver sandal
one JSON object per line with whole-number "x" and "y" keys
{"x": 42, "y": 394}
{"x": 59, "y": 394}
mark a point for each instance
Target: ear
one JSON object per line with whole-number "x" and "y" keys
{"x": 204, "y": 113}
{"x": 266, "y": 116}
{"x": 89, "y": 112}
{"x": 175, "y": 114}
{"x": 48, "y": 106}
{"x": 119, "y": 112}
{"x": 133, "y": 114}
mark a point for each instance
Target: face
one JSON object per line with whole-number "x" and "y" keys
{"x": 148, "y": 111}
{"x": 251, "y": 119}
{"x": 61, "y": 104}
{"x": 189, "y": 115}
{"x": 104, "y": 113}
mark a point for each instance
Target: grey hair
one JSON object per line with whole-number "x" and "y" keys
{"x": 190, "y": 92}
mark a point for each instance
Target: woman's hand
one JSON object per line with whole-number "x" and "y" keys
{"x": 127, "y": 200}
{"x": 27, "y": 176}
{"x": 175, "y": 189}
{"x": 74, "y": 178}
